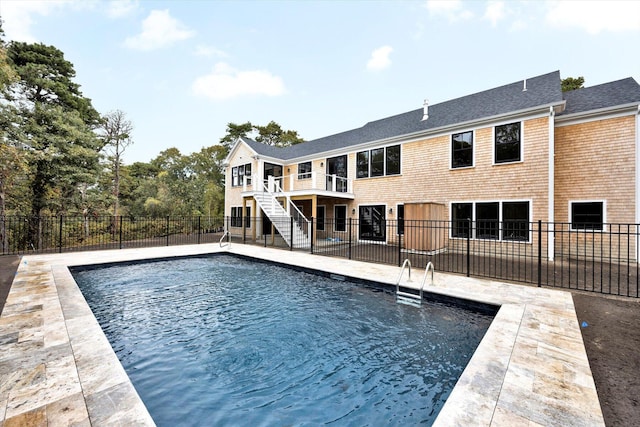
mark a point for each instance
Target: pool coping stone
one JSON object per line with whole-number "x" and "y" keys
{"x": 57, "y": 367}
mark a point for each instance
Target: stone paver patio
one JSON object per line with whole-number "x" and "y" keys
{"x": 57, "y": 367}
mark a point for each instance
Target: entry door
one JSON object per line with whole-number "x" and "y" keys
{"x": 337, "y": 166}
{"x": 372, "y": 223}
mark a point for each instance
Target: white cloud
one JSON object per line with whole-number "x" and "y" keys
{"x": 209, "y": 51}
{"x": 595, "y": 16}
{"x": 380, "y": 58}
{"x": 122, "y": 8}
{"x": 225, "y": 82}
{"x": 17, "y": 17}
{"x": 494, "y": 12}
{"x": 159, "y": 30}
{"x": 453, "y": 10}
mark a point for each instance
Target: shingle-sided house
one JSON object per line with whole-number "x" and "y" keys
{"x": 506, "y": 156}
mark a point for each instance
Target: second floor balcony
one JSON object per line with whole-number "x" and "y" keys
{"x": 312, "y": 183}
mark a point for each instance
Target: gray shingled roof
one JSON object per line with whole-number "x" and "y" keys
{"x": 620, "y": 92}
{"x": 543, "y": 90}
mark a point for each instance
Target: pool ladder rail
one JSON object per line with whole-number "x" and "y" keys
{"x": 225, "y": 234}
{"x": 412, "y": 298}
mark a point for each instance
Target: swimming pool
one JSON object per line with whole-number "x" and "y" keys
{"x": 226, "y": 341}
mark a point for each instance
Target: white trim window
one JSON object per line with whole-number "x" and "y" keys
{"x": 238, "y": 173}
{"x": 383, "y": 161}
{"x": 500, "y": 220}
{"x": 587, "y": 215}
{"x": 304, "y": 170}
{"x": 507, "y": 140}
{"x": 236, "y": 216}
{"x": 462, "y": 150}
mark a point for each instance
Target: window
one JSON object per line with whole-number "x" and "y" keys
{"x": 491, "y": 220}
{"x": 320, "y": 217}
{"x": 337, "y": 166}
{"x": 508, "y": 143}
{"x": 393, "y": 160}
{"x": 587, "y": 215}
{"x": 461, "y": 213}
{"x": 378, "y": 162}
{"x": 487, "y": 218}
{"x": 362, "y": 164}
{"x": 236, "y": 216}
{"x": 462, "y": 150}
{"x": 304, "y": 170}
{"x": 515, "y": 221}
{"x": 340, "y": 218}
{"x": 372, "y": 223}
{"x": 238, "y": 173}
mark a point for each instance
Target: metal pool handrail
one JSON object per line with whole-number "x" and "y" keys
{"x": 408, "y": 297}
{"x": 225, "y": 234}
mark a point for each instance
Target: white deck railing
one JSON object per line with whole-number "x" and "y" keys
{"x": 310, "y": 181}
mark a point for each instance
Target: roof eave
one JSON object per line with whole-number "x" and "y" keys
{"x": 606, "y": 111}
{"x": 409, "y": 137}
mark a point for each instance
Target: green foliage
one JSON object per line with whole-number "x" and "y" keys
{"x": 234, "y": 132}
{"x": 271, "y": 134}
{"x": 46, "y": 114}
{"x": 571, "y": 83}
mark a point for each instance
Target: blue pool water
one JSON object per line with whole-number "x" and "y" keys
{"x": 227, "y": 341}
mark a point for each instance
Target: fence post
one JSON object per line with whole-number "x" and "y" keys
{"x": 349, "y": 247}
{"x": 245, "y": 221}
{"x": 167, "y": 230}
{"x": 539, "y": 253}
{"x": 199, "y": 224}
{"x": 120, "y": 243}
{"x": 311, "y": 235}
{"x": 469, "y": 248}
{"x": 399, "y": 250}
{"x": 291, "y": 231}
{"x": 60, "y": 236}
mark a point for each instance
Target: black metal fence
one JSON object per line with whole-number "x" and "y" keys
{"x": 25, "y": 235}
{"x": 601, "y": 259}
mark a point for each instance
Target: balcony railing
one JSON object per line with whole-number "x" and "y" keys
{"x": 312, "y": 181}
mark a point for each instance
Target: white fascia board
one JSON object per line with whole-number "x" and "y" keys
{"x": 599, "y": 114}
{"x": 233, "y": 150}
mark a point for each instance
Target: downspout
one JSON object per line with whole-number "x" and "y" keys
{"x": 551, "y": 190}
{"x": 637, "y": 182}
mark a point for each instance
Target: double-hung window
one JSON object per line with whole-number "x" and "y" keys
{"x": 462, "y": 150}
{"x": 508, "y": 143}
{"x": 382, "y": 161}
{"x": 587, "y": 215}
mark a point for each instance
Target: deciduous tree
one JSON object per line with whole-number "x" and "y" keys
{"x": 116, "y": 136}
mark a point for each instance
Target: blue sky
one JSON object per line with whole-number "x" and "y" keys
{"x": 182, "y": 70}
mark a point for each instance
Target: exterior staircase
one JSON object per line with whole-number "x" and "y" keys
{"x": 297, "y": 235}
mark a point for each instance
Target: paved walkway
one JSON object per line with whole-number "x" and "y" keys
{"x": 57, "y": 367}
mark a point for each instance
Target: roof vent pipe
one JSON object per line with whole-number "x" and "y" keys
{"x": 524, "y": 87}
{"x": 425, "y": 115}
